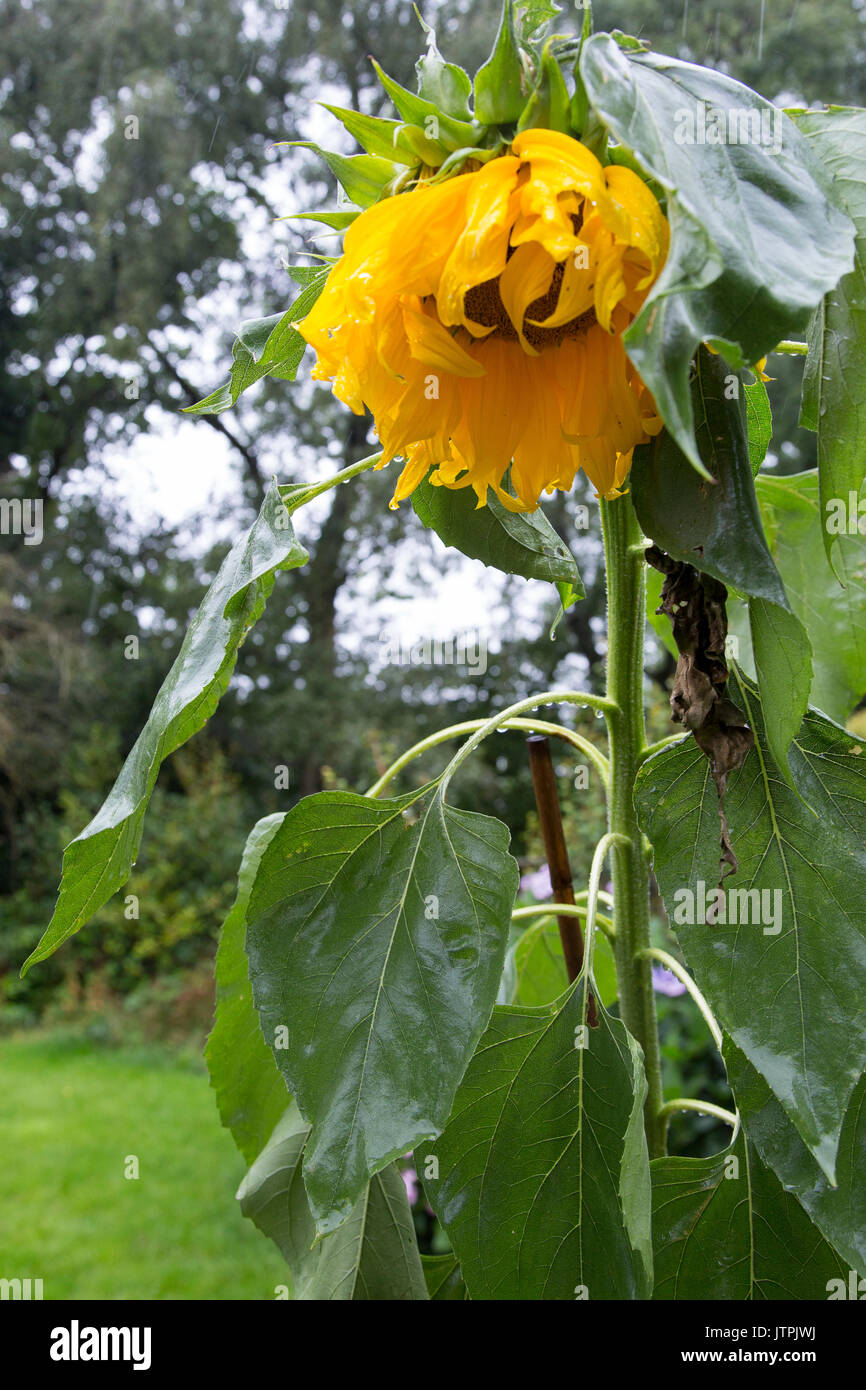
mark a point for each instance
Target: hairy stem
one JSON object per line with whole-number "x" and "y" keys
{"x": 626, "y": 620}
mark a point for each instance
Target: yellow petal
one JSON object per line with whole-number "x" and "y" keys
{"x": 431, "y": 343}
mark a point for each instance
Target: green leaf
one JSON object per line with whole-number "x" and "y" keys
{"x": 419, "y": 111}
{"x": 783, "y": 663}
{"x": 444, "y": 1280}
{"x": 755, "y": 243}
{"x": 522, "y": 543}
{"x": 267, "y": 347}
{"x": 540, "y": 975}
{"x": 250, "y": 1092}
{"x": 543, "y": 1178}
{"x": 716, "y": 525}
{"x": 499, "y": 93}
{"x": 788, "y": 983}
{"x": 363, "y": 176}
{"x": 99, "y": 860}
{"x": 838, "y": 1212}
{"x": 759, "y": 418}
{"x": 373, "y": 1257}
{"x": 378, "y": 946}
{"x": 834, "y": 617}
{"x": 723, "y": 1229}
{"x": 834, "y": 382}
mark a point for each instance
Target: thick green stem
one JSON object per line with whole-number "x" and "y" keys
{"x": 626, "y": 618}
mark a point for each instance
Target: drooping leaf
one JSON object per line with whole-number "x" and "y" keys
{"x": 522, "y": 543}
{"x": 834, "y": 382}
{"x": 250, "y": 1091}
{"x": 99, "y": 860}
{"x": 374, "y": 1255}
{"x": 541, "y": 1177}
{"x": 267, "y": 347}
{"x": 376, "y": 948}
{"x": 716, "y": 526}
{"x": 723, "y": 1228}
{"x": 713, "y": 524}
{"x": 784, "y": 966}
{"x": 755, "y": 241}
{"x": 838, "y": 1212}
{"x": 499, "y": 93}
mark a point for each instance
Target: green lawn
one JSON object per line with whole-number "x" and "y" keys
{"x": 70, "y": 1113}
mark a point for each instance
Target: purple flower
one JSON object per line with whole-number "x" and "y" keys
{"x": 538, "y": 883}
{"x": 410, "y": 1180}
{"x": 665, "y": 982}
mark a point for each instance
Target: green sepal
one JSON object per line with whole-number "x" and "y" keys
{"x": 364, "y": 177}
{"x": 378, "y": 136}
{"x": 417, "y": 110}
{"x": 499, "y": 90}
{"x": 446, "y": 85}
{"x": 549, "y": 105}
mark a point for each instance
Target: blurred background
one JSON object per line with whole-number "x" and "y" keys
{"x": 145, "y": 213}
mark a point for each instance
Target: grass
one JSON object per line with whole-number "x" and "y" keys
{"x": 70, "y": 1115}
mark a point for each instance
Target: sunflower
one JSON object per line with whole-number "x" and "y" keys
{"x": 480, "y": 320}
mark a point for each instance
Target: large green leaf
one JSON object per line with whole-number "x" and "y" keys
{"x": 723, "y": 1228}
{"x": 378, "y": 946}
{"x": 834, "y": 616}
{"x": 543, "y": 1177}
{"x": 267, "y": 347}
{"x": 838, "y": 1212}
{"x": 99, "y": 860}
{"x": 250, "y": 1091}
{"x": 716, "y": 526}
{"x": 789, "y": 982}
{"x": 834, "y": 383}
{"x": 514, "y": 542}
{"x": 755, "y": 241}
{"x": 373, "y": 1257}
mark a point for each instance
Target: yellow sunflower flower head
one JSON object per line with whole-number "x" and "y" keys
{"x": 480, "y": 320}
